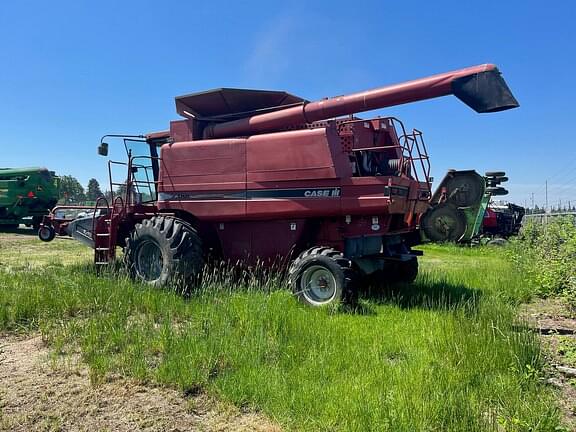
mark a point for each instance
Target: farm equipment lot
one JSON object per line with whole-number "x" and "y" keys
{"x": 446, "y": 353}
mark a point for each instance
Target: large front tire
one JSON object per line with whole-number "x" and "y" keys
{"x": 321, "y": 276}
{"x": 164, "y": 250}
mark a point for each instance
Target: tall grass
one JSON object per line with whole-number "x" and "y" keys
{"x": 445, "y": 354}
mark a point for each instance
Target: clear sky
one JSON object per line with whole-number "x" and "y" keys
{"x": 72, "y": 71}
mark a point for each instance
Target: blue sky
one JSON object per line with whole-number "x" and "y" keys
{"x": 72, "y": 71}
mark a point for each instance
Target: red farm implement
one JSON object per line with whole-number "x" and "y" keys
{"x": 254, "y": 175}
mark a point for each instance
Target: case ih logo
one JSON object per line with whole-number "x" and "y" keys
{"x": 324, "y": 193}
{"x": 252, "y": 194}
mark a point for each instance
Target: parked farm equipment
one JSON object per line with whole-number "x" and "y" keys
{"x": 459, "y": 204}
{"x": 60, "y": 217}
{"x": 26, "y": 195}
{"x": 501, "y": 221}
{"x": 261, "y": 176}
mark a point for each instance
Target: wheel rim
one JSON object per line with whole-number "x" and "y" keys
{"x": 149, "y": 261}
{"x": 318, "y": 285}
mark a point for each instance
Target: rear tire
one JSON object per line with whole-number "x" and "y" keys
{"x": 46, "y": 233}
{"x": 322, "y": 276}
{"x": 164, "y": 250}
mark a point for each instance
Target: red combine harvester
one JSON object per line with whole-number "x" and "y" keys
{"x": 265, "y": 176}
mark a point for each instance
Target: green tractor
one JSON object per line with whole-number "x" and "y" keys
{"x": 26, "y": 195}
{"x": 458, "y": 206}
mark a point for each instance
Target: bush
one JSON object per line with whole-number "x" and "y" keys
{"x": 546, "y": 253}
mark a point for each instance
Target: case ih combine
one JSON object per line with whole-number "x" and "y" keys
{"x": 253, "y": 175}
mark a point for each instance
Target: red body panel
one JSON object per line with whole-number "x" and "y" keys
{"x": 291, "y": 187}
{"x": 490, "y": 220}
{"x": 298, "y": 155}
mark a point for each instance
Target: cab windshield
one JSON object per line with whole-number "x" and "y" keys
{"x": 144, "y": 168}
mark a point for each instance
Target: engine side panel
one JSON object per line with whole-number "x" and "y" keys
{"x": 204, "y": 178}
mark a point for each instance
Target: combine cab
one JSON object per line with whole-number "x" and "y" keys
{"x": 265, "y": 176}
{"x": 26, "y": 195}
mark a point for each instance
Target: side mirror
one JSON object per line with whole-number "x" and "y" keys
{"x": 103, "y": 149}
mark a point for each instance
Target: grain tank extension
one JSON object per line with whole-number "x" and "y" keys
{"x": 266, "y": 176}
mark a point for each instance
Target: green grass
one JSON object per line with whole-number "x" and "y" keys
{"x": 25, "y": 250}
{"x": 445, "y": 354}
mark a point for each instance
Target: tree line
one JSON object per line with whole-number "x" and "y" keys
{"x": 72, "y": 191}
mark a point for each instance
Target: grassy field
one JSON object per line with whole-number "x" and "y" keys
{"x": 445, "y": 354}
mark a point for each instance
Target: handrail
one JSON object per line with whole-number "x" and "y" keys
{"x": 410, "y": 147}
{"x": 98, "y": 200}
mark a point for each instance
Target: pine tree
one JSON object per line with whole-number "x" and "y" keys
{"x": 94, "y": 192}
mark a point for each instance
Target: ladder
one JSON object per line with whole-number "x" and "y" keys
{"x": 104, "y": 229}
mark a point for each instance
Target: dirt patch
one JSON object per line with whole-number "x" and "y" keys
{"x": 37, "y": 394}
{"x": 556, "y": 323}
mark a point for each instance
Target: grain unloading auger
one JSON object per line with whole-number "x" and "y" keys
{"x": 482, "y": 88}
{"x": 266, "y": 176}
